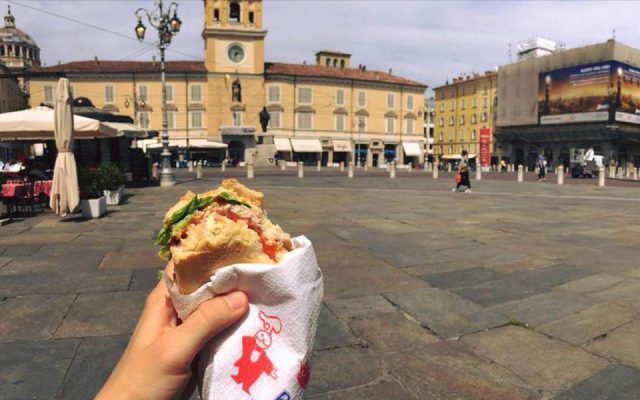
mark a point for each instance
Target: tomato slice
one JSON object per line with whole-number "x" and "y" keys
{"x": 269, "y": 249}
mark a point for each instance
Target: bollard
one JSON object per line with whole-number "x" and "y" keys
{"x": 601, "y": 173}
{"x": 620, "y": 172}
{"x": 223, "y": 166}
{"x": 342, "y": 166}
{"x": 190, "y": 165}
{"x": 635, "y": 174}
{"x": 366, "y": 166}
{"x": 250, "y": 171}
{"x": 628, "y": 172}
{"x": 199, "y": 171}
{"x": 520, "y": 173}
{"x": 392, "y": 170}
{"x": 350, "y": 169}
{"x": 410, "y": 167}
{"x": 300, "y": 169}
{"x": 319, "y": 165}
{"x": 435, "y": 171}
{"x": 478, "y": 173}
{"x": 448, "y": 167}
{"x": 155, "y": 173}
{"x": 560, "y": 174}
{"x": 283, "y": 165}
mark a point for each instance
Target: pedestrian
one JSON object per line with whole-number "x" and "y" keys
{"x": 542, "y": 168}
{"x": 463, "y": 171}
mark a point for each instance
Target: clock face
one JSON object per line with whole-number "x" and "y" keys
{"x": 236, "y": 53}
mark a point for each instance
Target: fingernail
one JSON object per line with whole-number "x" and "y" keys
{"x": 236, "y": 300}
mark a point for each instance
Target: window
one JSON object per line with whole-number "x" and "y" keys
{"x": 144, "y": 119}
{"x": 391, "y": 99}
{"x": 304, "y": 95}
{"x": 453, "y": 92}
{"x": 237, "y": 118}
{"x": 304, "y": 120}
{"x": 340, "y": 97}
{"x": 451, "y": 120}
{"x": 391, "y": 124}
{"x": 484, "y": 89}
{"x": 216, "y": 15}
{"x": 462, "y": 104}
{"x": 335, "y": 62}
{"x": 171, "y": 119}
{"x": 195, "y": 94}
{"x": 328, "y": 62}
{"x": 442, "y": 107}
{"x": 441, "y": 121}
{"x": 462, "y": 135}
{"x": 483, "y": 117}
{"x": 409, "y": 126}
{"x": 462, "y": 120}
{"x": 109, "y": 94}
{"x": 234, "y": 12}
{"x": 341, "y": 63}
{"x": 495, "y": 101}
{"x": 274, "y": 94}
{"x": 473, "y": 118}
{"x": 473, "y": 102}
{"x": 251, "y": 17}
{"x": 410, "y": 103}
{"x": 453, "y": 105}
{"x": 362, "y": 99}
{"x": 195, "y": 119}
{"x": 143, "y": 93}
{"x": 440, "y": 136}
{"x": 450, "y": 149}
{"x": 339, "y": 122}
{"x": 485, "y": 102}
{"x": 169, "y": 93}
{"x": 48, "y": 94}
{"x": 473, "y": 134}
{"x": 362, "y": 123}
{"x": 274, "y": 121}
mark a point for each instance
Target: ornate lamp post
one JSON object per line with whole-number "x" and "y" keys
{"x": 167, "y": 25}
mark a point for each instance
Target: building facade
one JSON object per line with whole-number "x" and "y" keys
{"x": 463, "y": 108}
{"x": 587, "y": 97}
{"x": 326, "y": 112}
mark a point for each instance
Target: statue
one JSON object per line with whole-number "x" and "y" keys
{"x": 264, "y": 119}
{"x": 236, "y": 91}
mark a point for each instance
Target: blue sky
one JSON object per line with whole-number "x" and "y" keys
{"x": 421, "y": 40}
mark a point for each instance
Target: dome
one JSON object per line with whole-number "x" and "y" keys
{"x": 17, "y": 48}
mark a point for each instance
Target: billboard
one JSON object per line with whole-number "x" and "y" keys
{"x": 597, "y": 92}
{"x": 485, "y": 150}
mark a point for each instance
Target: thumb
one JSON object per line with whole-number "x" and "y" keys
{"x": 209, "y": 319}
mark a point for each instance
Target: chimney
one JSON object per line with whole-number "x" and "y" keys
{"x": 95, "y": 60}
{"x": 304, "y": 62}
{"x": 390, "y": 71}
{"x": 153, "y": 61}
{"x": 364, "y": 68}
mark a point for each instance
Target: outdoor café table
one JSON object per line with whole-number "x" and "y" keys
{"x": 42, "y": 187}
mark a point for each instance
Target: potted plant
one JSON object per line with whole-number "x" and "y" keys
{"x": 112, "y": 183}
{"x": 92, "y": 203}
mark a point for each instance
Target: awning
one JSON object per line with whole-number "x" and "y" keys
{"x": 342, "y": 146}
{"x": 306, "y": 145}
{"x": 411, "y": 149}
{"x": 282, "y": 144}
{"x": 128, "y": 130}
{"x": 193, "y": 144}
{"x": 455, "y": 156}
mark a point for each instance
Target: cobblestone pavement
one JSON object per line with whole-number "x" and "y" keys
{"x": 515, "y": 291}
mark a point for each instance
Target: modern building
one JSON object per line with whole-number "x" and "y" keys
{"x": 327, "y": 111}
{"x": 587, "y": 97}
{"x": 464, "y": 117}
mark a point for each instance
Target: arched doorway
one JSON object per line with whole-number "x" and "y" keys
{"x": 236, "y": 151}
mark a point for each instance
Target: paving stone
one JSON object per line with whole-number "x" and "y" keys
{"x": 4, "y": 261}
{"x": 360, "y": 307}
{"x": 378, "y": 391}
{"x": 144, "y": 279}
{"x": 71, "y": 262}
{"x": 391, "y": 332}
{"x": 37, "y": 239}
{"x": 34, "y": 370}
{"x": 21, "y": 250}
{"x": 588, "y": 324}
{"x": 445, "y": 313}
{"x": 451, "y": 371}
{"x": 94, "y": 360}
{"x": 32, "y": 317}
{"x": 331, "y": 332}
{"x": 625, "y": 293}
{"x": 12, "y": 285}
{"x": 103, "y": 314}
{"x": 590, "y": 284}
{"x": 622, "y": 344}
{"x": 136, "y": 259}
{"x": 545, "y": 363}
{"x": 521, "y": 284}
{"x": 544, "y": 308}
{"x": 617, "y": 382}
{"x": 462, "y": 278}
{"x": 360, "y": 367}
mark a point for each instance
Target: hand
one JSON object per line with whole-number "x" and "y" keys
{"x": 157, "y": 362}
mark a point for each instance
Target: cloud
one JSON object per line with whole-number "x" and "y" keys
{"x": 420, "y": 40}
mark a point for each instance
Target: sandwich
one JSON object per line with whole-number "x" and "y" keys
{"x": 208, "y": 231}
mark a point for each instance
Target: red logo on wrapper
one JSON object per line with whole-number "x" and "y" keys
{"x": 303, "y": 374}
{"x": 254, "y": 361}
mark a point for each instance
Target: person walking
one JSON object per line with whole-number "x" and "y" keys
{"x": 542, "y": 168}
{"x": 463, "y": 170}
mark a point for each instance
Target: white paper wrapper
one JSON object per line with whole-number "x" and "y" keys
{"x": 267, "y": 355}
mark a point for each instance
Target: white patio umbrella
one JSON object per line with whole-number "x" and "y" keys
{"x": 65, "y": 196}
{"x": 39, "y": 124}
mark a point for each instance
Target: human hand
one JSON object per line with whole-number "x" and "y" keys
{"x": 157, "y": 362}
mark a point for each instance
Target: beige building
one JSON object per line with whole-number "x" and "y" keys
{"x": 462, "y": 108}
{"x": 327, "y": 111}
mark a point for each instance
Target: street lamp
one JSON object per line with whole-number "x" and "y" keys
{"x": 360, "y": 129}
{"x": 167, "y": 26}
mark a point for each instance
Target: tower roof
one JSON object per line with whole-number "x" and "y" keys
{"x": 11, "y": 35}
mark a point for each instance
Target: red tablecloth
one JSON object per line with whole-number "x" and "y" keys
{"x": 42, "y": 187}
{"x": 14, "y": 190}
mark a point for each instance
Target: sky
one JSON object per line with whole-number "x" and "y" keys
{"x": 427, "y": 41}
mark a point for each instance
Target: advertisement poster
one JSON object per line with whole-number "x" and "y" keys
{"x": 576, "y": 94}
{"x": 485, "y": 150}
{"x": 627, "y": 81}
